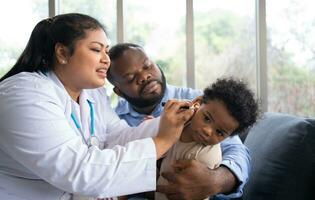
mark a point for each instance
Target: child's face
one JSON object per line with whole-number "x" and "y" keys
{"x": 212, "y": 123}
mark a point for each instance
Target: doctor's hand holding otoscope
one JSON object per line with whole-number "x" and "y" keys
{"x": 172, "y": 120}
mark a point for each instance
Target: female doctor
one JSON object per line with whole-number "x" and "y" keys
{"x": 59, "y": 135}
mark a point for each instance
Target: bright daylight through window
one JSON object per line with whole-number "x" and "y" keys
{"x": 224, "y": 40}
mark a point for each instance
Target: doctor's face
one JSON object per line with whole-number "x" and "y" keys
{"x": 87, "y": 66}
{"x": 138, "y": 79}
{"x": 212, "y": 123}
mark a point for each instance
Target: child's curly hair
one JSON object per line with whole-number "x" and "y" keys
{"x": 238, "y": 99}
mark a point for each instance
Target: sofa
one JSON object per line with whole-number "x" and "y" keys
{"x": 282, "y": 149}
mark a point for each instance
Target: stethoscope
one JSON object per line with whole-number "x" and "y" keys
{"x": 93, "y": 140}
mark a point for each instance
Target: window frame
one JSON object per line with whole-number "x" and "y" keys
{"x": 261, "y": 43}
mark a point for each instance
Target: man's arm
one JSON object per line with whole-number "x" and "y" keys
{"x": 195, "y": 180}
{"x": 237, "y": 159}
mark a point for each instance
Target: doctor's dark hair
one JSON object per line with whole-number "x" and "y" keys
{"x": 39, "y": 53}
{"x": 238, "y": 99}
{"x": 116, "y": 52}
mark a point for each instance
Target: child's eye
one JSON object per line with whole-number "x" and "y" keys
{"x": 207, "y": 119}
{"x": 220, "y": 133}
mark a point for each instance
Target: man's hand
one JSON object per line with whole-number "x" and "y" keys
{"x": 194, "y": 180}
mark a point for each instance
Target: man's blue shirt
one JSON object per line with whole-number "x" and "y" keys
{"x": 235, "y": 155}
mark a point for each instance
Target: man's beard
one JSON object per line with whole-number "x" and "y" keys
{"x": 140, "y": 102}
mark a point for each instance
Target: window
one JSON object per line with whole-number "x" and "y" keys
{"x": 291, "y": 60}
{"x": 159, "y": 26}
{"x": 102, "y": 10}
{"x": 16, "y": 28}
{"x": 224, "y": 40}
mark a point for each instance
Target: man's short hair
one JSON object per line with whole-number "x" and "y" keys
{"x": 116, "y": 52}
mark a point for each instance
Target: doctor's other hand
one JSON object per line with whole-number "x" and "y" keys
{"x": 172, "y": 123}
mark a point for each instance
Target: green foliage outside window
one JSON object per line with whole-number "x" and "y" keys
{"x": 225, "y": 45}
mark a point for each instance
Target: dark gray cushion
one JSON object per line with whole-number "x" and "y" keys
{"x": 282, "y": 149}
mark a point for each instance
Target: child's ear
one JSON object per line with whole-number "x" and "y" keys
{"x": 197, "y": 102}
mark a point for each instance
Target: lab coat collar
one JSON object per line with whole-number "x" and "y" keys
{"x": 85, "y": 96}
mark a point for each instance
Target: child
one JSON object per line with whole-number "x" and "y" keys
{"x": 226, "y": 108}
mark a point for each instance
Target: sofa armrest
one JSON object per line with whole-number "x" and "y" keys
{"x": 282, "y": 149}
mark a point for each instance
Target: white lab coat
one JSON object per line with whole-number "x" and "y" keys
{"x": 43, "y": 155}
